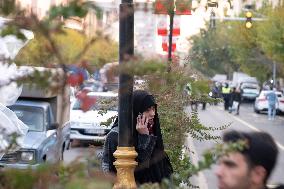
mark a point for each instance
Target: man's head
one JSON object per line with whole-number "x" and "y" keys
{"x": 226, "y": 85}
{"x": 251, "y": 167}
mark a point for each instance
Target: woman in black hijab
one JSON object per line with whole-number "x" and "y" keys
{"x": 153, "y": 162}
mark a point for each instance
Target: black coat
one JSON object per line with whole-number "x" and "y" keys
{"x": 153, "y": 162}
{"x": 236, "y": 96}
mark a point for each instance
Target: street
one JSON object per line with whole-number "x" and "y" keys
{"x": 247, "y": 121}
{"x": 81, "y": 154}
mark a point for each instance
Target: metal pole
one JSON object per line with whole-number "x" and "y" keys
{"x": 212, "y": 21}
{"x": 170, "y": 39}
{"x": 274, "y": 74}
{"x": 126, "y": 51}
{"x": 125, "y": 154}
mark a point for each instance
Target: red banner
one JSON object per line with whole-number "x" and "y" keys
{"x": 183, "y": 7}
{"x": 165, "y": 45}
{"x": 162, "y": 31}
{"x": 162, "y": 25}
{"x": 163, "y": 6}
{"x": 176, "y": 26}
{"x": 176, "y": 31}
{"x": 166, "y": 48}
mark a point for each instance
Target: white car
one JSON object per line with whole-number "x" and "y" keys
{"x": 89, "y": 126}
{"x": 261, "y": 103}
{"x": 249, "y": 91}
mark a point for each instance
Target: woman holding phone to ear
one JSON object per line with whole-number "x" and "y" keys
{"x": 153, "y": 163}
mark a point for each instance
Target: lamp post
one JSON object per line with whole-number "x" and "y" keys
{"x": 212, "y": 21}
{"x": 125, "y": 154}
{"x": 172, "y": 8}
{"x": 171, "y": 14}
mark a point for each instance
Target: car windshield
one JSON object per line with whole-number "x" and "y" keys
{"x": 249, "y": 87}
{"x": 31, "y": 116}
{"x": 102, "y": 103}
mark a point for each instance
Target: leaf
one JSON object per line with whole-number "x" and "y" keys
{"x": 75, "y": 79}
{"x": 87, "y": 102}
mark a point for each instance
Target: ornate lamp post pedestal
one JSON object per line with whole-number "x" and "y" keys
{"x": 125, "y": 164}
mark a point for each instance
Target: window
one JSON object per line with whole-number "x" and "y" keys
{"x": 33, "y": 117}
{"x": 102, "y": 103}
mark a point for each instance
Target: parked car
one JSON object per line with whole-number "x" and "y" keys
{"x": 48, "y": 134}
{"x": 42, "y": 140}
{"x": 94, "y": 124}
{"x": 261, "y": 103}
{"x": 249, "y": 90}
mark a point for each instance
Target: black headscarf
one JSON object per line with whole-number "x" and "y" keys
{"x": 159, "y": 166}
{"x": 142, "y": 100}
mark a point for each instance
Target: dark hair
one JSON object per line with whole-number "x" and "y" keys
{"x": 226, "y": 85}
{"x": 261, "y": 150}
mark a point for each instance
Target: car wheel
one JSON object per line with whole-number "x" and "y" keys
{"x": 61, "y": 158}
{"x": 68, "y": 145}
{"x": 75, "y": 143}
{"x": 256, "y": 111}
{"x": 194, "y": 106}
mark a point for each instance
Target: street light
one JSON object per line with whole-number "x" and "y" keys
{"x": 248, "y": 20}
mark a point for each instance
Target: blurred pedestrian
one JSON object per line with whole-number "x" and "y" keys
{"x": 235, "y": 100}
{"x": 226, "y": 92}
{"x": 250, "y": 167}
{"x": 216, "y": 93}
{"x": 153, "y": 162}
{"x": 272, "y": 102}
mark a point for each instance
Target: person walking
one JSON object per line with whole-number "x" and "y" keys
{"x": 235, "y": 100}
{"x": 153, "y": 162}
{"x": 226, "y": 96}
{"x": 272, "y": 102}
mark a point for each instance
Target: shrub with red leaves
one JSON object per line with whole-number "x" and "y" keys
{"x": 75, "y": 79}
{"x": 86, "y": 102}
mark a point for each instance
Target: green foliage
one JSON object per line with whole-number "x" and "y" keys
{"x": 13, "y": 30}
{"x": 73, "y": 9}
{"x": 101, "y": 52}
{"x": 271, "y": 34}
{"x": 210, "y": 52}
{"x": 70, "y": 44}
{"x": 7, "y": 7}
{"x": 55, "y": 177}
{"x": 140, "y": 67}
{"x": 176, "y": 123}
{"x": 232, "y": 47}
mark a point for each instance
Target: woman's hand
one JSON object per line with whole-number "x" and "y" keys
{"x": 141, "y": 125}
